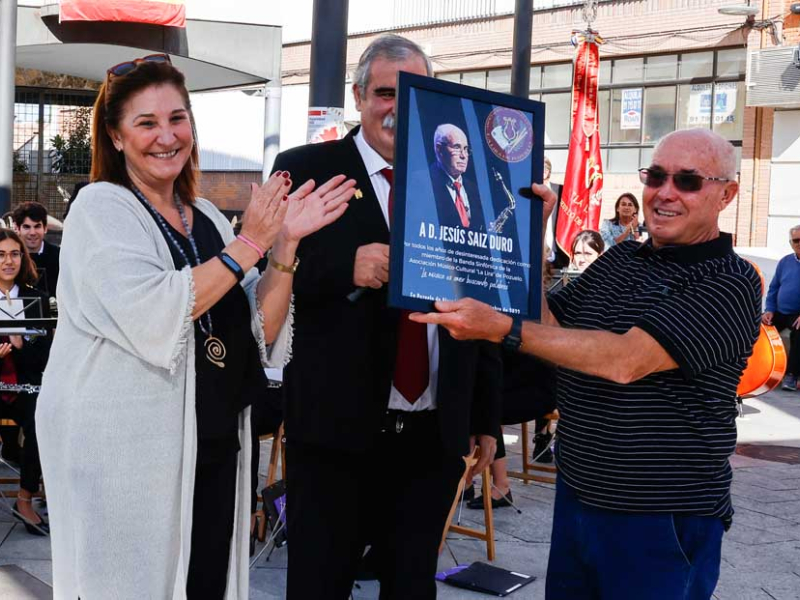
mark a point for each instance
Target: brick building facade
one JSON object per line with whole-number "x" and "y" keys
{"x": 674, "y": 50}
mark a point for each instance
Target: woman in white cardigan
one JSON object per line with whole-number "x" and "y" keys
{"x": 144, "y": 415}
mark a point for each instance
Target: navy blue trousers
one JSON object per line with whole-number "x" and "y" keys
{"x": 598, "y": 554}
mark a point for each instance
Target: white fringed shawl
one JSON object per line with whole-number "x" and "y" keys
{"x": 116, "y": 415}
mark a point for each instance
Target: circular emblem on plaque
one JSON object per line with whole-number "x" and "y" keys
{"x": 509, "y": 134}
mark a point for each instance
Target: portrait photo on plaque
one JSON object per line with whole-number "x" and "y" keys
{"x": 460, "y": 226}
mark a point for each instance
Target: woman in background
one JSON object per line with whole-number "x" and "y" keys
{"x": 22, "y": 361}
{"x": 625, "y": 224}
{"x": 586, "y": 247}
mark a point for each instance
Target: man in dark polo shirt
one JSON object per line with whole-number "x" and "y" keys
{"x": 651, "y": 341}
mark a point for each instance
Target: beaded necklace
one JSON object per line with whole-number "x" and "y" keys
{"x": 215, "y": 349}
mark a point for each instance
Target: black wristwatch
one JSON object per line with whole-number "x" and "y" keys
{"x": 513, "y": 340}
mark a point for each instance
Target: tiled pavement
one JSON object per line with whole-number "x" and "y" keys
{"x": 761, "y": 553}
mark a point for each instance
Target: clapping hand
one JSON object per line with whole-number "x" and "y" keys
{"x": 5, "y": 349}
{"x": 264, "y": 216}
{"x": 312, "y": 209}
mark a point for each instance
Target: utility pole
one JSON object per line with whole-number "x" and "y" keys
{"x": 521, "y": 54}
{"x": 328, "y": 63}
{"x": 8, "y": 45}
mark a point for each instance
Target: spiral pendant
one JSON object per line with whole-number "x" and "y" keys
{"x": 215, "y": 351}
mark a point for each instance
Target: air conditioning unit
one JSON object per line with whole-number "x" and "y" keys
{"x": 773, "y": 77}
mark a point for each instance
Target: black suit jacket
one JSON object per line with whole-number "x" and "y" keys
{"x": 47, "y": 265}
{"x": 446, "y": 208}
{"x": 338, "y": 382}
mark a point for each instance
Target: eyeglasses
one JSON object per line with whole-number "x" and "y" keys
{"x": 458, "y": 148}
{"x": 14, "y": 254}
{"x": 126, "y": 67}
{"x": 685, "y": 182}
{"x": 796, "y": 240}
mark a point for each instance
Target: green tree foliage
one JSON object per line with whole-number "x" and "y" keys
{"x": 74, "y": 154}
{"x": 19, "y": 164}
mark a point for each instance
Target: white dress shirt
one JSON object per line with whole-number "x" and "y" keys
{"x": 374, "y": 163}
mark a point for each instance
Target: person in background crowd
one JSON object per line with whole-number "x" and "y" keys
{"x": 783, "y": 306}
{"x": 650, "y": 344}
{"x": 586, "y": 247}
{"x": 22, "y": 361}
{"x": 529, "y": 389}
{"x": 556, "y": 257}
{"x": 31, "y": 221}
{"x": 529, "y": 393}
{"x": 266, "y": 418}
{"x": 163, "y": 333}
{"x": 625, "y": 224}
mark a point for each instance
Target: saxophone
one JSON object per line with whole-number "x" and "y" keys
{"x": 497, "y": 225}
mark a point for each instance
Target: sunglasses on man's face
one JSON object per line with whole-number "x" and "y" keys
{"x": 796, "y": 240}
{"x": 685, "y": 182}
{"x": 126, "y": 67}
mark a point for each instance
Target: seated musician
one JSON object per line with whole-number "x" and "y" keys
{"x": 22, "y": 361}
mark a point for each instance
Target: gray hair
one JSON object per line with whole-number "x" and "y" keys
{"x": 793, "y": 229}
{"x": 391, "y": 47}
{"x": 710, "y": 143}
{"x": 444, "y": 130}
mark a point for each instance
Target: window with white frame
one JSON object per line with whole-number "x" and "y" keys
{"x": 641, "y": 99}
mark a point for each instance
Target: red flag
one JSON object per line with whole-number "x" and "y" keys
{"x": 154, "y": 12}
{"x": 583, "y": 181}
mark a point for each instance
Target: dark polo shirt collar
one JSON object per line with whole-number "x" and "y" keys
{"x": 691, "y": 253}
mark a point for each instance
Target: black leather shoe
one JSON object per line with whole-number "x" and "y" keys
{"x": 477, "y": 503}
{"x": 41, "y": 529}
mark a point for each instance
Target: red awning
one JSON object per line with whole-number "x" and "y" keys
{"x": 155, "y": 12}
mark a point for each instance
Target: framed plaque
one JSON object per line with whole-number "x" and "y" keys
{"x": 460, "y": 226}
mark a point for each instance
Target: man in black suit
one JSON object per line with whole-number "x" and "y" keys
{"x": 378, "y": 414}
{"x": 458, "y": 203}
{"x": 31, "y": 221}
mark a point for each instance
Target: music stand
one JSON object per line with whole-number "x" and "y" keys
{"x": 13, "y": 319}
{"x": 13, "y": 322}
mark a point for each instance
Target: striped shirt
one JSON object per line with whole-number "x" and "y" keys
{"x": 662, "y": 443}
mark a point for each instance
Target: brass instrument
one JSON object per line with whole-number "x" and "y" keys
{"x": 497, "y": 225}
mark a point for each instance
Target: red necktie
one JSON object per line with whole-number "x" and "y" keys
{"x": 411, "y": 369}
{"x": 462, "y": 210}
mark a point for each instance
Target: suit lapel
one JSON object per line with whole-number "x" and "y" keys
{"x": 367, "y": 209}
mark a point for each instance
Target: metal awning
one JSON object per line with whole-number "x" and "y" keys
{"x": 212, "y": 54}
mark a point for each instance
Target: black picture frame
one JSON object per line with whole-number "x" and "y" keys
{"x": 441, "y": 251}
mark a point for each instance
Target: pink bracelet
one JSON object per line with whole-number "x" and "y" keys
{"x": 252, "y": 244}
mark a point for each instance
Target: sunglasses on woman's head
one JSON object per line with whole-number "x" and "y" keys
{"x": 126, "y": 67}
{"x": 685, "y": 182}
